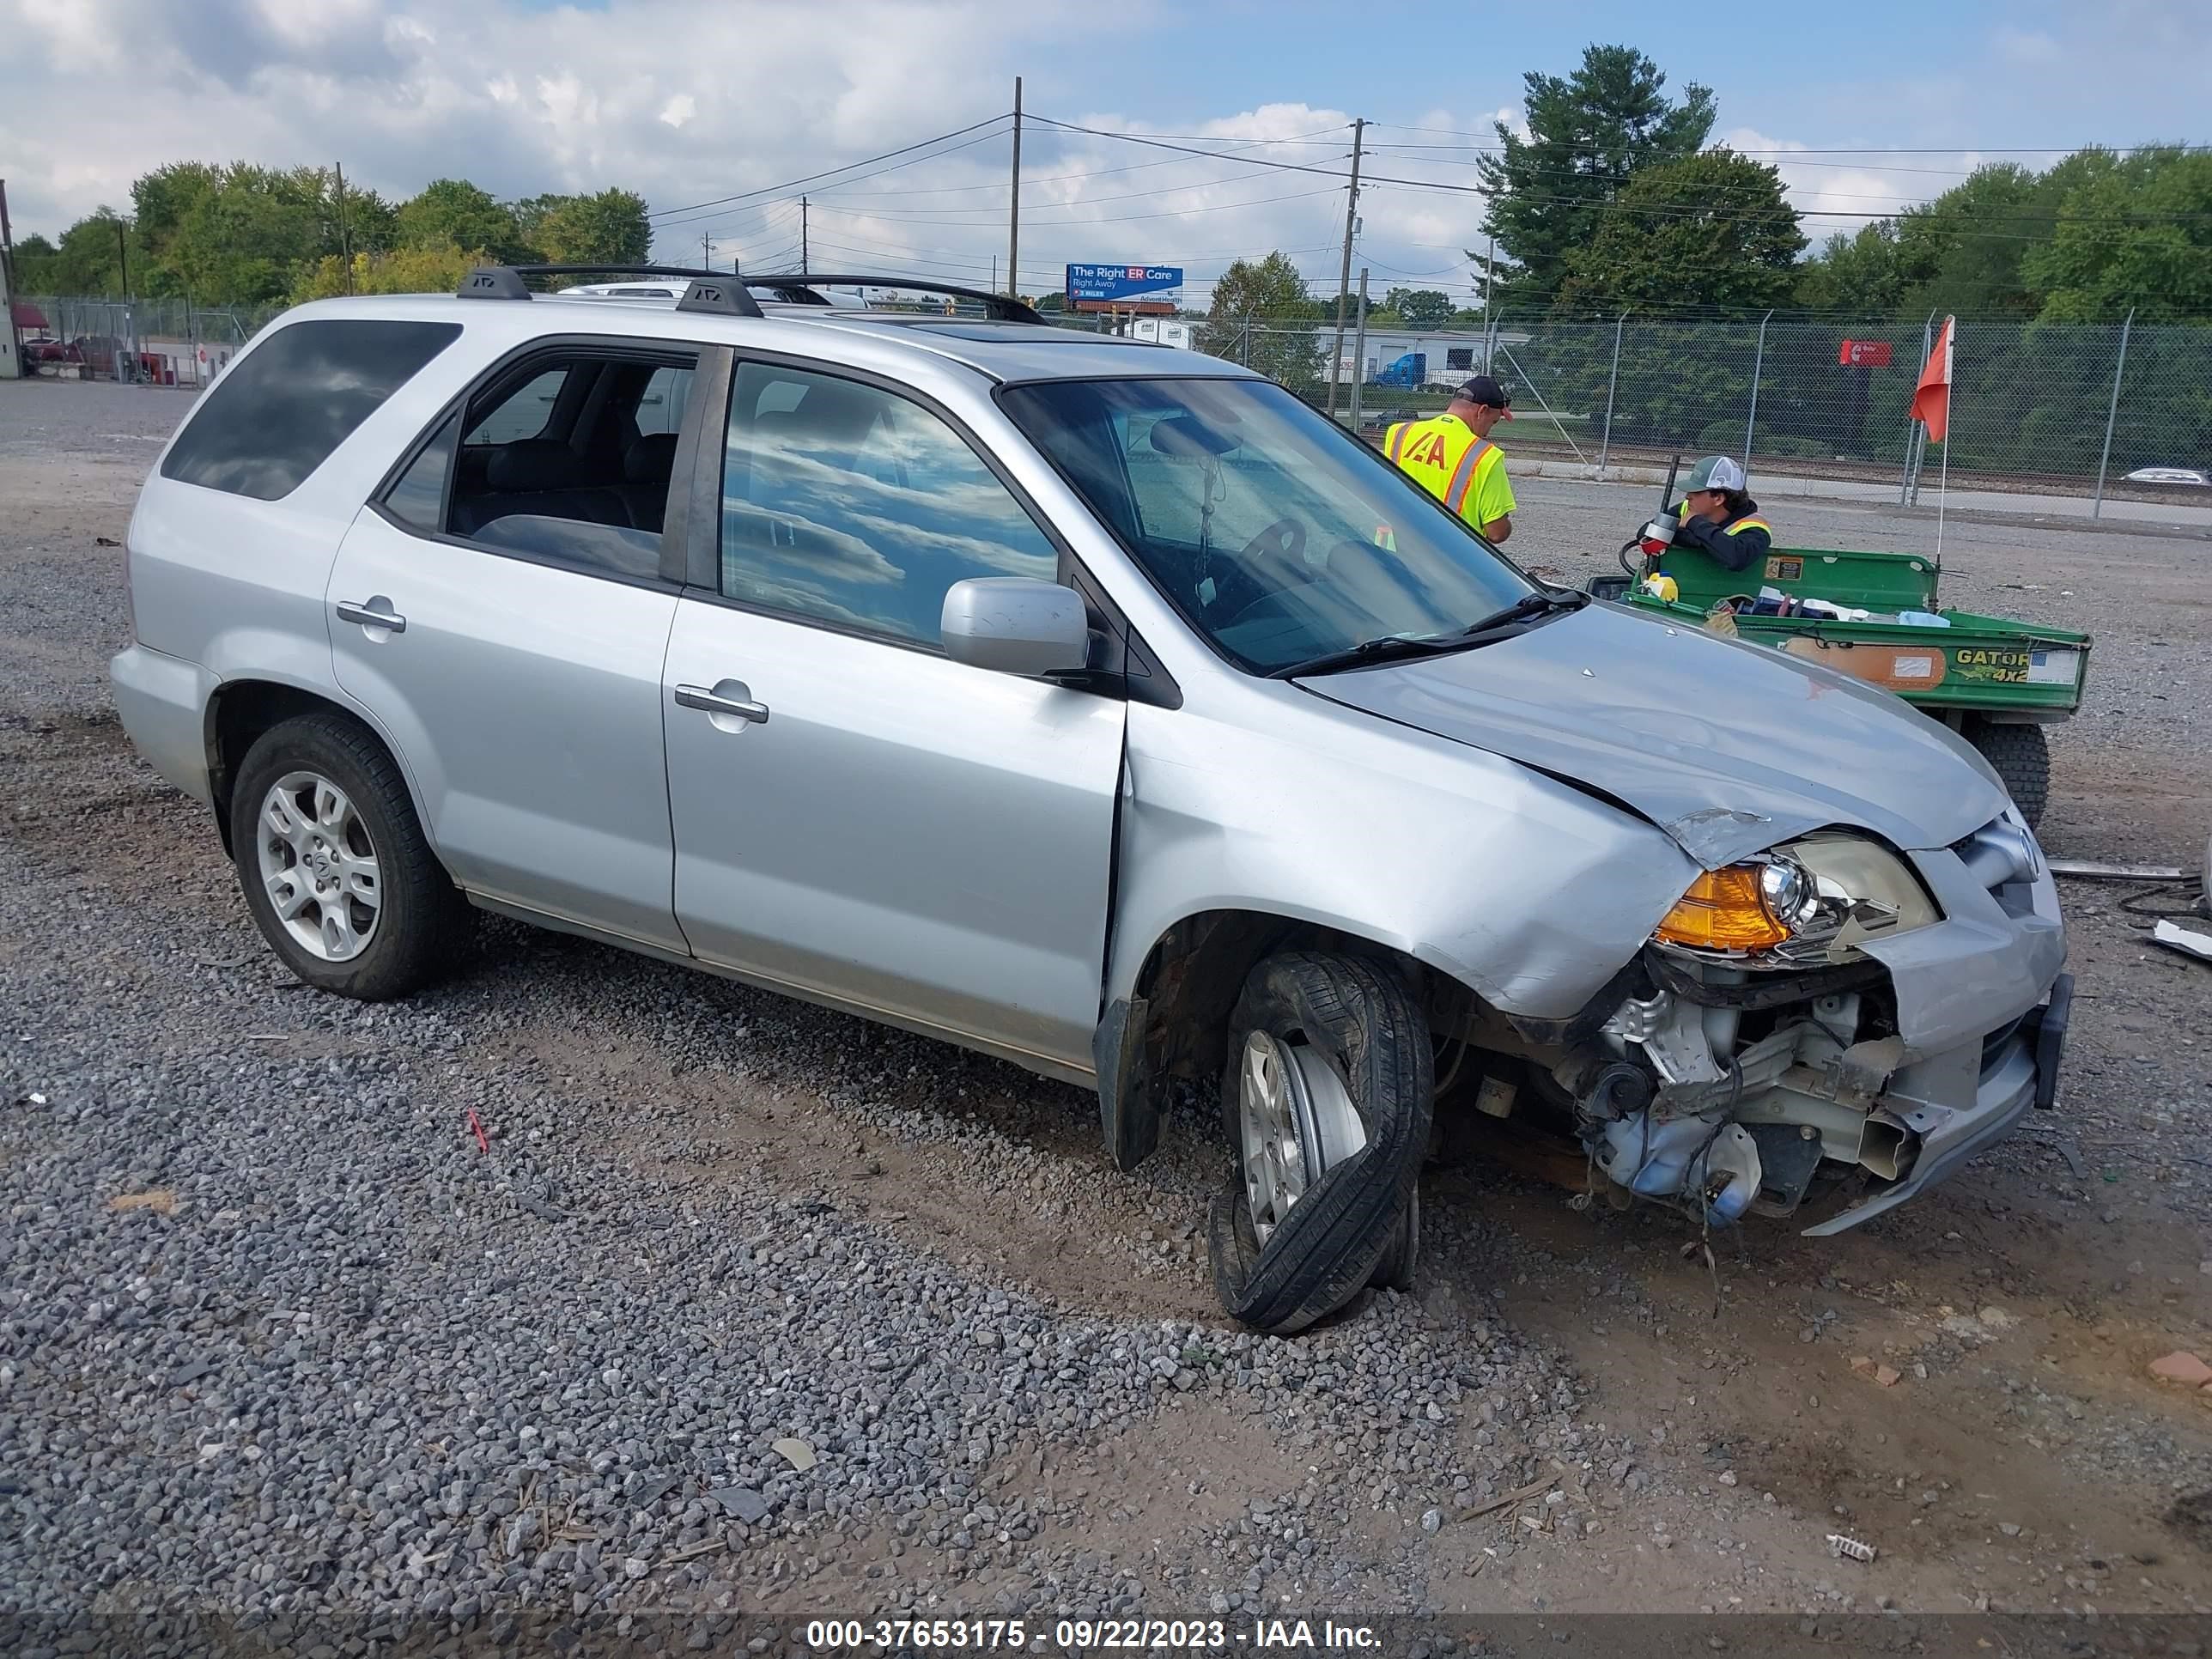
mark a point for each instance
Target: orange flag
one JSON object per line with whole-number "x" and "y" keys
{"x": 1932, "y": 398}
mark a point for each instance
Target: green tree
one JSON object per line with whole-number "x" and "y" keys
{"x": 1856, "y": 272}
{"x": 1963, "y": 251}
{"x": 1710, "y": 230}
{"x": 2132, "y": 234}
{"x": 402, "y": 270}
{"x": 609, "y": 227}
{"x": 238, "y": 237}
{"x": 1588, "y": 135}
{"x": 87, "y": 260}
{"x": 33, "y": 266}
{"x": 1417, "y": 307}
{"x": 1263, "y": 316}
{"x": 453, "y": 213}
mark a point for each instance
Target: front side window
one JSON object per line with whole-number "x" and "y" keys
{"x": 277, "y": 416}
{"x": 1261, "y": 521}
{"x": 853, "y": 505}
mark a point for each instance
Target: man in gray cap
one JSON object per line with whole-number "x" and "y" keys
{"x": 1719, "y": 519}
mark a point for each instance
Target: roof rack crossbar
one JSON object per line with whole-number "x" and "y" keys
{"x": 720, "y": 291}
{"x": 1001, "y": 307}
{"x": 727, "y": 291}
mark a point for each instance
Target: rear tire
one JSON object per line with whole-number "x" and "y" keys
{"x": 336, "y": 869}
{"x": 2020, "y": 755}
{"x": 1327, "y": 1102}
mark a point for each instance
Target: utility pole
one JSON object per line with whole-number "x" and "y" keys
{"x": 7, "y": 287}
{"x": 802, "y": 236}
{"x": 123, "y": 253}
{"x": 1489, "y": 277}
{"x": 706, "y": 251}
{"x": 345, "y": 240}
{"x": 1344, "y": 276}
{"x": 1359, "y": 350}
{"x": 1014, "y": 203}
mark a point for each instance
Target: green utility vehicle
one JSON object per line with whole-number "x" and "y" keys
{"x": 1996, "y": 682}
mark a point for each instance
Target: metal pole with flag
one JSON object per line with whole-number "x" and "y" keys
{"x": 1931, "y": 407}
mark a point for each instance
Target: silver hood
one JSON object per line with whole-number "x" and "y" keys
{"x": 1728, "y": 747}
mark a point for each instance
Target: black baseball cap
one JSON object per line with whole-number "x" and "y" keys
{"x": 1485, "y": 390}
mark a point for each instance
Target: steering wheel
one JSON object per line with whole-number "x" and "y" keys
{"x": 1285, "y": 538}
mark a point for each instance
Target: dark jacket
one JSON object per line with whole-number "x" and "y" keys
{"x": 1741, "y": 542}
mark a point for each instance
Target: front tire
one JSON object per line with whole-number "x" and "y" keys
{"x": 1328, "y": 1103}
{"x": 336, "y": 869}
{"x": 2020, "y": 755}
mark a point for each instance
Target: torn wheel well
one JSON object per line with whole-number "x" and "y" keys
{"x": 1176, "y": 1023}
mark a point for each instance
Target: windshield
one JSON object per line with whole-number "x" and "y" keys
{"x": 1261, "y": 521}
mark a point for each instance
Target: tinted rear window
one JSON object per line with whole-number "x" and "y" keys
{"x": 281, "y": 410}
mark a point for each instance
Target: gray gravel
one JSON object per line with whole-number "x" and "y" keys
{"x": 277, "y": 1334}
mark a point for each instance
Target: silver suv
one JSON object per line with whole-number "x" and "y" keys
{"x": 1094, "y": 705}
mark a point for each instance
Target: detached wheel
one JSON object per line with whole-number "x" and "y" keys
{"x": 1327, "y": 1103}
{"x": 335, "y": 867}
{"x": 2022, "y": 756}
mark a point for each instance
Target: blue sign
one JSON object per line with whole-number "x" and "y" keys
{"x": 1105, "y": 285}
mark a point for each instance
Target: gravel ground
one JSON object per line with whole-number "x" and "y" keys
{"x": 738, "y": 1307}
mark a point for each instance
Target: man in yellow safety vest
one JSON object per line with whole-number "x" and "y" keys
{"x": 1453, "y": 458}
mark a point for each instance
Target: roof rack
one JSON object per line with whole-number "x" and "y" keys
{"x": 727, "y": 291}
{"x": 797, "y": 289}
{"x": 718, "y": 291}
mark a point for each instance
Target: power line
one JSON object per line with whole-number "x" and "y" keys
{"x": 1094, "y": 172}
{"x": 1029, "y": 207}
{"x": 1869, "y": 149}
{"x": 1077, "y": 224}
{"x": 1661, "y": 208}
{"x": 789, "y": 183}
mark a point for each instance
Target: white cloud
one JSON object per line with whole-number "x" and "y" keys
{"x": 1837, "y": 192}
{"x": 678, "y": 110}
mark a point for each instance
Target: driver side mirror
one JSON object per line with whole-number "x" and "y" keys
{"x": 1016, "y": 625}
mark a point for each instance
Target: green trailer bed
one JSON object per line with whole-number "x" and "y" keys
{"x": 1995, "y": 681}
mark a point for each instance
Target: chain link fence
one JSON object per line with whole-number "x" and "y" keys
{"x": 165, "y": 342}
{"x": 2062, "y": 411}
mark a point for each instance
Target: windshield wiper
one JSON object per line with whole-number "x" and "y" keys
{"x": 1398, "y": 648}
{"x": 1391, "y": 648}
{"x": 1542, "y": 602}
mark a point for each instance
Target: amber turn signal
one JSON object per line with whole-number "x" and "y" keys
{"x": 1723, "y": 910}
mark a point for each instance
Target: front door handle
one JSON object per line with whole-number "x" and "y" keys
{"x": 739, "y": 707}
{"x": 389, "y": 621}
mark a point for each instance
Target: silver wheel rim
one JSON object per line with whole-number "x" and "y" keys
{"x": 1296, "y": 1120}
{"x": 319, "y": 866}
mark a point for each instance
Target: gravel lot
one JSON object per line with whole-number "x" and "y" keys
{"x": 751, "y": 1308}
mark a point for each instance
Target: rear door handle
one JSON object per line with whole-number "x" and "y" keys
{"x": 713, "y": 702}
{"x": 391, "y": 621}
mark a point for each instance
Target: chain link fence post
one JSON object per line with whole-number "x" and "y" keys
{"x": 1914, "y": 435}
{"x": 1757, "y": 362}
{"x": 2112, "y": 415}
{"x": 1612, "y": 386}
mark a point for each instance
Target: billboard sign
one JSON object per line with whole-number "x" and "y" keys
{"x": 1864, "y": 354}
{"x": 1124, "y": 288}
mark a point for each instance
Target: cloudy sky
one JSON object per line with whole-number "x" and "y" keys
{"x": 693, "y": 102}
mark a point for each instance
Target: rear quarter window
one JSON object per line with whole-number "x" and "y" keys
{"x": 284, "y": 407}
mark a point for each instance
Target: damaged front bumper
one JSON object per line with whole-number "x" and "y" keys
{"x": 1731, "y": 1093}
{"x": 2020, "y": 1074}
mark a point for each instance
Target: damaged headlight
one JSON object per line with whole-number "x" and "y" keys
{"x": 1813, "y": 901}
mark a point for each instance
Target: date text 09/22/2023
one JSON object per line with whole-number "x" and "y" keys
{"x": 1216, "y": 1635}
